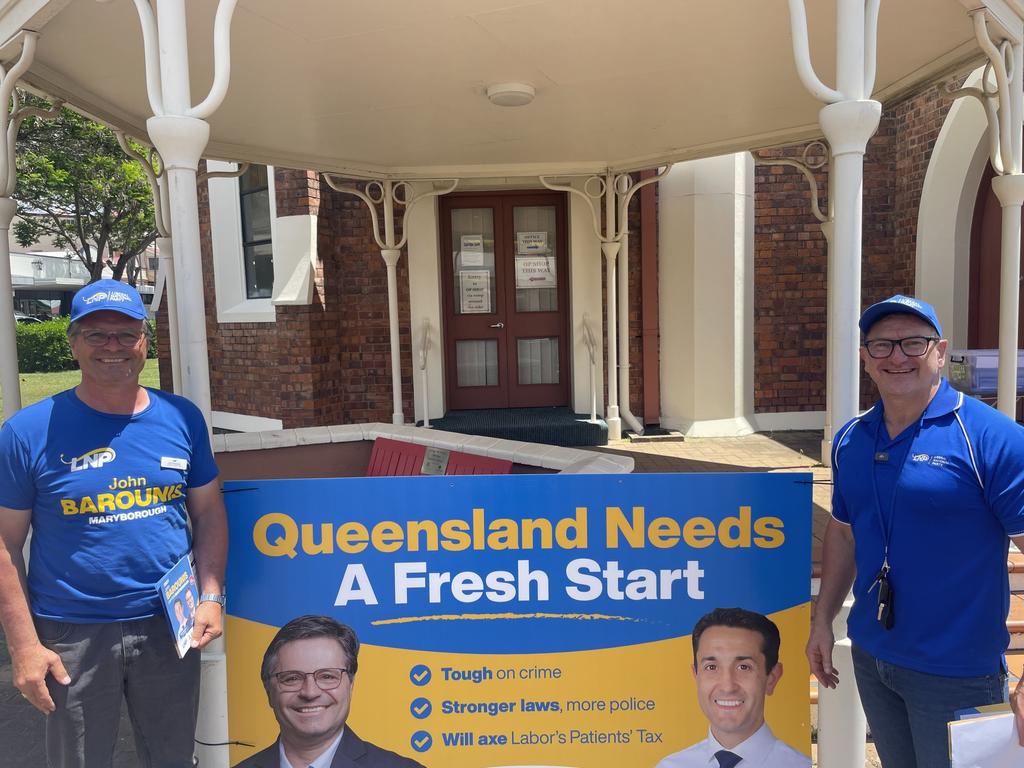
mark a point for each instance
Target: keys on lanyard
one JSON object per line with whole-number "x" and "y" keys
{"x": 886, "y": 617}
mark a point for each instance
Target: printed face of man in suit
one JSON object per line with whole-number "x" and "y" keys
{"x": 310, "y": 716}
{"x": 732, "y": 682}
{"x": 179, "y": 613}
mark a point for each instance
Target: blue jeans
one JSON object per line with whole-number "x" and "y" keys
{"x": 133, "y": 660}
{"x": 907, "y": 711}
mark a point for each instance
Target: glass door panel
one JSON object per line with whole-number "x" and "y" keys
{"x": 536, "y": 258}
{"x": 473, "y": 261}
{"x": 538, "y": 361}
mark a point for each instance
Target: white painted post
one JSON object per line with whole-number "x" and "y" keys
{"x": 1010, "y": 191}
{"x": 849, "y": 119}
{"x": 847, "y": 125}
{"x": 10, "y": 120}
{"x": 831, "y": 321}
{"x": 841, "y": 723}
{"x": 10, "y": 384}
{"x": 611, "y": 417}
{"x": 179, "y": 132}
{"x": 390, "y": 256}
{"x": 1004, "y": 108}
{"x": 610, "y": 248}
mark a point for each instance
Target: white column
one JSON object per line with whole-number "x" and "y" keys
{"x": 10, "y": 119}
{"x": 705, "y": 281}
{"x": 181, "y": 141}
{"x": 848, "y": 125}
{"x": 10, "y": 384}
{"x": 1010, "y": 191}
{"x": 842, "y": 727}
{"x": 390, "y": 256}
{"x": 179, "y": 132}
{"x": 611, "y": 252}
{"x": 848, "y": 121}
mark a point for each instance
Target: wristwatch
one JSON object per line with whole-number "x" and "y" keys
{"x": 213, "y": 597}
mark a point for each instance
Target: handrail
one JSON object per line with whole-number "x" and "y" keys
{"x": 588, "y": 339}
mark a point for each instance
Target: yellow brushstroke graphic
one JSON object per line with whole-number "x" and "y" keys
{"x": 506, "y": 616}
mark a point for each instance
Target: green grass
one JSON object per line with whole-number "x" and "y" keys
{"x": 37, "y": 386}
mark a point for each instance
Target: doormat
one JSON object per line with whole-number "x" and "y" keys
{"x": 549, "y": 426}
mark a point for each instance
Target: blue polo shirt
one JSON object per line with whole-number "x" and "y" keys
{"x": 945, "y": 493}
{"x": 107, "y": 494}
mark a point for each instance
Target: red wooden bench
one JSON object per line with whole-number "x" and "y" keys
{"x": 396, "y": 458}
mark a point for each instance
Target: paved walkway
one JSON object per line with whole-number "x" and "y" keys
{"x": 797, "y": 451}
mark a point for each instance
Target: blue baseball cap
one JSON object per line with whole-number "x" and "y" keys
{"x": 899, "y": 305}
{"x": 107, "y": 294}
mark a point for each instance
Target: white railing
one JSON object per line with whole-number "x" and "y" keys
{"x": 588, "y": 339}
{"x": 424, "y": 346}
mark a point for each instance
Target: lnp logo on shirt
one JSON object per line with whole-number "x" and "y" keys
{"x": 935, "y": 461}
{"x": 93, "y": 459}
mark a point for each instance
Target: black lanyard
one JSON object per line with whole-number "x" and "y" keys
{"x": 886, "y": 524}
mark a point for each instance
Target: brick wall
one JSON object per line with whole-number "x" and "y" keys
{"x": 790, "y": 255}
{"x": 325, "y": 363}
{"x": 355, "y": 346}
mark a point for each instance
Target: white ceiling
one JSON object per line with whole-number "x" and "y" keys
{"x": 397, "y": 86}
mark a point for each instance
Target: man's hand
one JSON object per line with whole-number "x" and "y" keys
{"x": 819, "y": 653}
{"x": 1017, "y": 705}
{"x": 209, "y": 624}
{"x": 30, "y": 668}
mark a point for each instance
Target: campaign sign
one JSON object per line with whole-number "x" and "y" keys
{"x": 528, "y": 620}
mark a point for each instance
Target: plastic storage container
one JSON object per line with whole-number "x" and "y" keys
{"x": 976, "y": 371}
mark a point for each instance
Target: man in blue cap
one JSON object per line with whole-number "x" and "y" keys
{"x": 928, "y": 490}
{"x": 117, "y": 483}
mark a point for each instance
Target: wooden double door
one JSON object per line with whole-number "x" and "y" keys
{"x": 505, "y": 285}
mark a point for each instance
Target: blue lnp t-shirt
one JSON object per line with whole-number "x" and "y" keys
{"x": 107, "y": 495}
{"x": 949, "y": 490}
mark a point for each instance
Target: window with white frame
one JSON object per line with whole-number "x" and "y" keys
{"x": 257, "y": 245}
{"x": 243, "y": 224}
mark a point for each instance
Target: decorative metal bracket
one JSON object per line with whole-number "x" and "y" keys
{"x": 388, "y": 194}
{"x": 1003, "y": 100}
{"x": 807, "y": 166}
{"x": 802, "y": 52}
{"x": 11, "y": 120}
{"x": 153, "y": 167}
{"x": 610, "y": 187}
{"x": 221, "y": 58}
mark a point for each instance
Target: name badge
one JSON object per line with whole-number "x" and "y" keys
{"x": 169, "y": 462}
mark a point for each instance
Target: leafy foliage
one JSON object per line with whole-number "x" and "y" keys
{"x": 43, "y": 347}
{"x": 76, "y": 186}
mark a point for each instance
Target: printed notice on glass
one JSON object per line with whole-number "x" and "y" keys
{"x": 531, "y": 242}
{"x": 536, "y": 272}
{"x": 474, "y": 291}
{"x": 472, "y": 251}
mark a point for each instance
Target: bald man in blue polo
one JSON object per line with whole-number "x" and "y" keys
{"x": 928, "y": 491}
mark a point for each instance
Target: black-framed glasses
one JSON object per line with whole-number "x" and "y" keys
{"x": 911, "y": 346}
{"x": 95, "y": 338}
{"x": 326, "y": 679}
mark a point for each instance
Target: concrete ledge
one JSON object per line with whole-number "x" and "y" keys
{"x": 569, "y": 460}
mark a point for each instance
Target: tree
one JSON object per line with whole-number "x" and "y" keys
{"x": 76, "y": 186}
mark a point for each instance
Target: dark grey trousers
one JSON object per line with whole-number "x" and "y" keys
{"x": 134, "y": 660}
